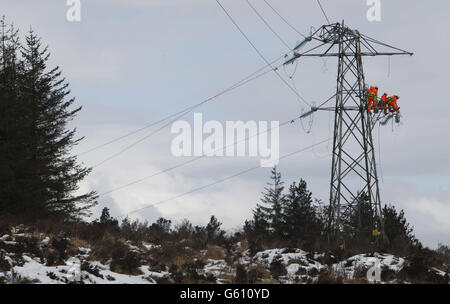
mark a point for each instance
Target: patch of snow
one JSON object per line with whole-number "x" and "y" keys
{"x": 150, "y": 246}
{"x": 71, "y": 272}
{"x": 45, "y": 241}
{"x": 348, "y": 267}
{"x": 6, "y": 237}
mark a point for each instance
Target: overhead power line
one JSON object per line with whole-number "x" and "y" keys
{"x": 323, "y": 11}
{"x": 219, "y": 181}
{"x": 194, "y": 159}
{"x": 187, "y": 111}
{"x": 268, "y": 25}
{"x": 259, "y": 53}
{"x": 131, "y": 133}
{"x": 257, "y": 74}
{"x": 285, "y": 21}
{"x": 191, "y": 108}
{"x": 143, "y": 138}
{"x": 203, "y": 156}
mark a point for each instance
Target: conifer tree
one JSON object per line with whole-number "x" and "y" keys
{"x": 396, "y": 225}
{"x": 268, "y": 216}
{"x": 54, "y": 174}
{"x": 361, "y": 220}
{"x": 13, "y": 146}
{"x": 300, "y": 216}
{"x": 38, "y": 174}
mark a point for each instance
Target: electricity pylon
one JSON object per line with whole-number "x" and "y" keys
{"x": 353, "y": 169}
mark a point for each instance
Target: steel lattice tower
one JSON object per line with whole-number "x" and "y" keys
{"x": 353, "y": 169}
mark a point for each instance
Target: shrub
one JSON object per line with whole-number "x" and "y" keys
{"x": 30, "y": 245}
{"x": 61, "y": 243}
{"x": 168, "y": 253}
{"x": 241, "y": 275}
{"x": 85, "y": 266}
{"x": 175, "y": 274}
{"x": 4, "y": 264}
{"x": 51, "y": 260}
{"x": 330, "y": 277}
{"x": 125, "y": 260}
{"x": 277, "y": 268}
{"x": 255, "y": 245}
{"x": 215, "y": 253}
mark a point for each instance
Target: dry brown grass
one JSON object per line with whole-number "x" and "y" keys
{"x": 263, "y": 273}
{"x": 226, "y": 277}
{"x": 180, "y": 260}
{"x": 268, "y": 281}
{"x": 78, "y": 243}
{"x": 215, "y": 253}
{"x": 134, "y": 272}
{"x": 75, "y": 244}
{"x": 102, "y": 248}
{"x": 330, "y": 277}
{"x": 38, "y": 236}
{"x": 244, "y": 246}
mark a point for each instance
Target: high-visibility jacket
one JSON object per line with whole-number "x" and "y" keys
{"x": 384, "y": 101}
{"x": 372, "y": 97}
{"x": 392, "y": 102}
{"x": 372, "y": 91}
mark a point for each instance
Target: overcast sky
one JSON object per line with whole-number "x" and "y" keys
{"x": 131, "y": 62}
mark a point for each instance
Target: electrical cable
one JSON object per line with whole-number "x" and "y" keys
{"x": 323, "y": 11}
{"x": 230, "y": 88}
{"x": 259, "y": 53}
{"x": 282, "y": 18}
{"x": 268, "y": 25}
{"x": 194, "y": 159}
{"x": 217, "y": 181}
{"x": 182, "y": 114}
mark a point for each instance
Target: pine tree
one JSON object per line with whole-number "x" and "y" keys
{"x": 268, "y": 216}
{"x": 396, "y": 226}
{"x": 300, "y": 216}
{"x": 13, "y": 117}
{"x": 361, "y": 220}
{"x": 38, "y": 176}
{"x": 106, "y": 219}
{"x": 213, "y": 230}
{"x": 54, "y": 174}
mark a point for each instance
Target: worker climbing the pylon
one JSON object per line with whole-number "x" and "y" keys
{"x": 384, "y": 103}
{"x": 392, "y": 104}
{"x": 372, "y": 97}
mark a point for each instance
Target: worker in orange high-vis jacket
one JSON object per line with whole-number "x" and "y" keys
{"x": 393, "y": 106}
{"x": 384, "y": 103}
{"x": 372, "y": 97}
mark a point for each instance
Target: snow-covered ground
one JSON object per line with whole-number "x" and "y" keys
{"x": 279, "y": 265}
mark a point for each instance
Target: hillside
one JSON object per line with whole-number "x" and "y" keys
{"x": 29, "y": 256}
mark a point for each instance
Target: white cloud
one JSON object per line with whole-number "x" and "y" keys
{"x": 437, "y": 212}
